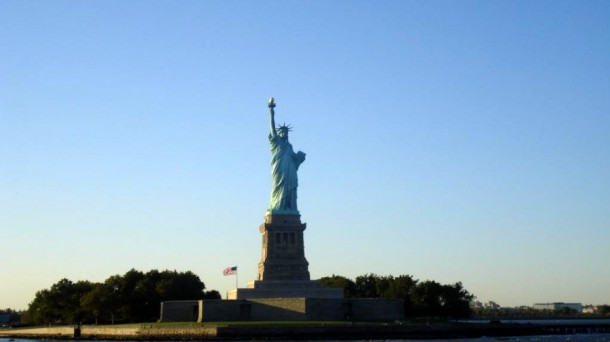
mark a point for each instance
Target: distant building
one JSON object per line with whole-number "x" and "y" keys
{"x": 558, "y": 306}
{"x": 487, "y": 305}
{"x": 5, "y": 320}
{"x": 591, "y": 309}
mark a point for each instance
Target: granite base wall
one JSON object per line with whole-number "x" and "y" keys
{"x": 181, "y": 310}
{"x": 377, "y": 309}
{"x": 284, "y": 309}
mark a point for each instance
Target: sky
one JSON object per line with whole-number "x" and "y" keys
{"x": 455, "y": 141}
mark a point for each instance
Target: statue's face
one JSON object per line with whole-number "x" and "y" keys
{"x": 283, "y": 134}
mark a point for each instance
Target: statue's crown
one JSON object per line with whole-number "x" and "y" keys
{"x": 284, "y": 127}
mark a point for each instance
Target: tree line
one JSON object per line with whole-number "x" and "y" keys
{"x": 421, "y": 299}
{"x": 136, "y": 296}
{"x": 529, "y": 312}
{"x": 132, "y": 297}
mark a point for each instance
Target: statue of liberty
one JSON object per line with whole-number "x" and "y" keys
{"x": 284, "y": 166}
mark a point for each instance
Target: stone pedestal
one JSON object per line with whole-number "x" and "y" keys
{"x": 283, "y": 271}
{"x": 285, "y": 289}
{"x": 283, "y": 252}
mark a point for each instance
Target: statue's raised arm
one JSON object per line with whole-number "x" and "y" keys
{"x": 272, "y": 115}
{"x": 284, "y": 166}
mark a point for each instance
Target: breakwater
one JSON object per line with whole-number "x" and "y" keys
{"x": 299, "y": 331}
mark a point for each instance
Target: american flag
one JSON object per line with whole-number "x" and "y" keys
{"x": 230, "y": 270}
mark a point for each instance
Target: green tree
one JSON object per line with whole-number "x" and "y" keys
{"x": 433, "y": 299}
{"x": 213, "y": 294}
{"x": 172, "y": 285}
{"x": 101, "y": 302}
{"x": 59, "y": 304}
{"x": 337, "y": 281}
{"x": 132, "y": 297}
{"x": 141, "y": 294}
{"x": 383, "y": 286}
{"x": 427, "y": 299}
{"x": 456, "y": 301}
{"x": 402, "y": 287}
{"x": 366, "y": 286}
{"x": 127, "y": 305}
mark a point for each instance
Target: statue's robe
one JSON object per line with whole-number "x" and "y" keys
{"x": 284, "y": 166}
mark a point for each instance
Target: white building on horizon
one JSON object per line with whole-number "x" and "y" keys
{"x": 558, "y": 306}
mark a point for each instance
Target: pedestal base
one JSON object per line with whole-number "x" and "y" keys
{"x": 285, "y": 289}
{"x": 283, "y": 271}
{"x": 283, "y": 250}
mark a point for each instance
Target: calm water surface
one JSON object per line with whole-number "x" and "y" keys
{"x": 545, "y": 321}
{"x": 553, "y": 338}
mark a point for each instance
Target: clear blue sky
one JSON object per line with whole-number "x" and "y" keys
{"x": 449, "y": 140}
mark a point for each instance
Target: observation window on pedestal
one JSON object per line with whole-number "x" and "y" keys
{"x": 292, "y": 238}
{"x": 278, "y": 238}
{"x": 285, "y": 239}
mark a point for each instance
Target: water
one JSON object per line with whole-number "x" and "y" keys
{"x": 591, "y": 321}
{"x": 550, "y": 338}
{"x": 605, "y": 337}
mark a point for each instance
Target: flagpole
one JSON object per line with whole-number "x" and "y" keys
{"x": 236, "y": 275}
